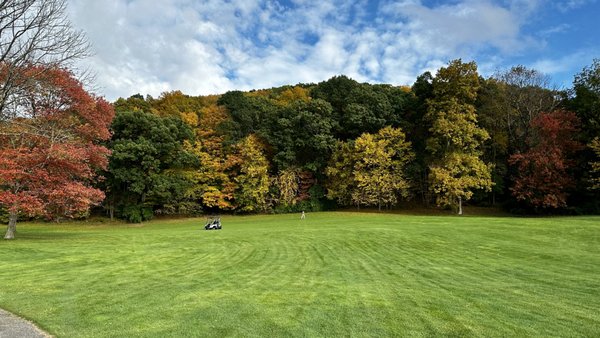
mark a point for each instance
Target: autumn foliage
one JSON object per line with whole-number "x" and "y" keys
{"x": 50, "y": 151}
{"x": 543, "y": 176}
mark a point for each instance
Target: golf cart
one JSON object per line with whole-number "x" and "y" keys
{"x": 213, "y": 223}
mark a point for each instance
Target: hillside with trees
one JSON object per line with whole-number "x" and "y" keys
{"x": 510, "y": 140}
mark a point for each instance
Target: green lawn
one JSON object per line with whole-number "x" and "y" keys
{"x": 333, "y": 274}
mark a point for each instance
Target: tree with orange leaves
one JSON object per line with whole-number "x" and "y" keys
{"x": 50, "y": 148}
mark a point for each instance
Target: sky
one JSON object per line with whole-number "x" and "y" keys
{"x": 213, "y": 46}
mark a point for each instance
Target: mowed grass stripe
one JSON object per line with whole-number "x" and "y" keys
{"x": 333, "y": 274}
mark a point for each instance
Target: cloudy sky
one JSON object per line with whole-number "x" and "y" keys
{"x": 212, "y": 46}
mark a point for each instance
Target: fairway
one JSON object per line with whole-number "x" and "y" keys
{"x": 332, "y": 274}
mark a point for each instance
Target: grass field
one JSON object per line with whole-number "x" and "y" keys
{"x": 333, "y": 274}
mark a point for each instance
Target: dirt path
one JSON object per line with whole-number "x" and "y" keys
{"x": 12, "y": 326}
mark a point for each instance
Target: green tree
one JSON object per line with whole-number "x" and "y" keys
{"x": 584, "y": 100}
{"x": 301, "y": 135}
{"x": 491, "y": 110}
{"x": 368, "y": 110}
{"x": 418, "y": 132}
{"x": 595, "y": 164}
{"x": 336, "y": 91}
{"x": 455, "y": 142}
{"x": 358, "y": 108}
{"x": 248, "y": 114}
{"x": 134, "y": 103}
{"x": 146, "y": 168}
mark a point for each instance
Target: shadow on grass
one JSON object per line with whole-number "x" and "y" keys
{"x": 45, "y": 235}
{"x": 433, "y": 211}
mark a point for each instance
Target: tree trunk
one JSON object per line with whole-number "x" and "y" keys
{"x": 111, "y": 211}
{"x": 460, "y": 206}
{"x": 12, "y": 225}
{"x": 495, "y": 168}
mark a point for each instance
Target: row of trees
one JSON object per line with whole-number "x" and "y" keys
{"x": 449, "y": 138}
{"x": 509, "y": 139}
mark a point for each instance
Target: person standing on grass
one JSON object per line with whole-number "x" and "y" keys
{"x": 303, "y": 216}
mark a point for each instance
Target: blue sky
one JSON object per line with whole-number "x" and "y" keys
{"x": 211, "y": 46}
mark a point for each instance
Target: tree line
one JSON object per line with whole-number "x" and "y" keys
{"x": 509, "y": 140}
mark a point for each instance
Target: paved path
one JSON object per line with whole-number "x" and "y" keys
{"x": 12, "y": 326}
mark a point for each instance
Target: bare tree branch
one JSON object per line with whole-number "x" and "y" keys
{"x": 33, "y": 33}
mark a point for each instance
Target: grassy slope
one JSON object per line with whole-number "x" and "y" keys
{"x": 332, "y": 274}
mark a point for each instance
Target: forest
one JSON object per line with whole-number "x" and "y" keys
{"x": 510, "y": 140}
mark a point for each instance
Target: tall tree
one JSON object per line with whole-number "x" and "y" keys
{"x": 455, "y": 142}
{"x": 506, "y": 104}
{"x": 586, "y": 101}
{"x": 292, "y": 94}
{"x": 175, "y": 104}
{"x": 492, "y": 114}
{"x": 49, "y": 154}
{"x": 417, "y": 132}
{"x": 526, "y": 93}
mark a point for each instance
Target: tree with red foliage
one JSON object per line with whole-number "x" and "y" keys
{"x": 543, "y": 171}
{"x": 49, "y": 149}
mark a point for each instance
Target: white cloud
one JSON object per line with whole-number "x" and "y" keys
{"x": 567, "y": 5}
{"x": 563, "y": 69}
{"x": 211, "y": 46}
{"x": 464, "y": 25}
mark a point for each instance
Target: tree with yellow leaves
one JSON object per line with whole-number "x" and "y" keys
{"x": 251, "y": 175}
{"x": 370, "y": 170}
{"x": 455, "y": 142}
